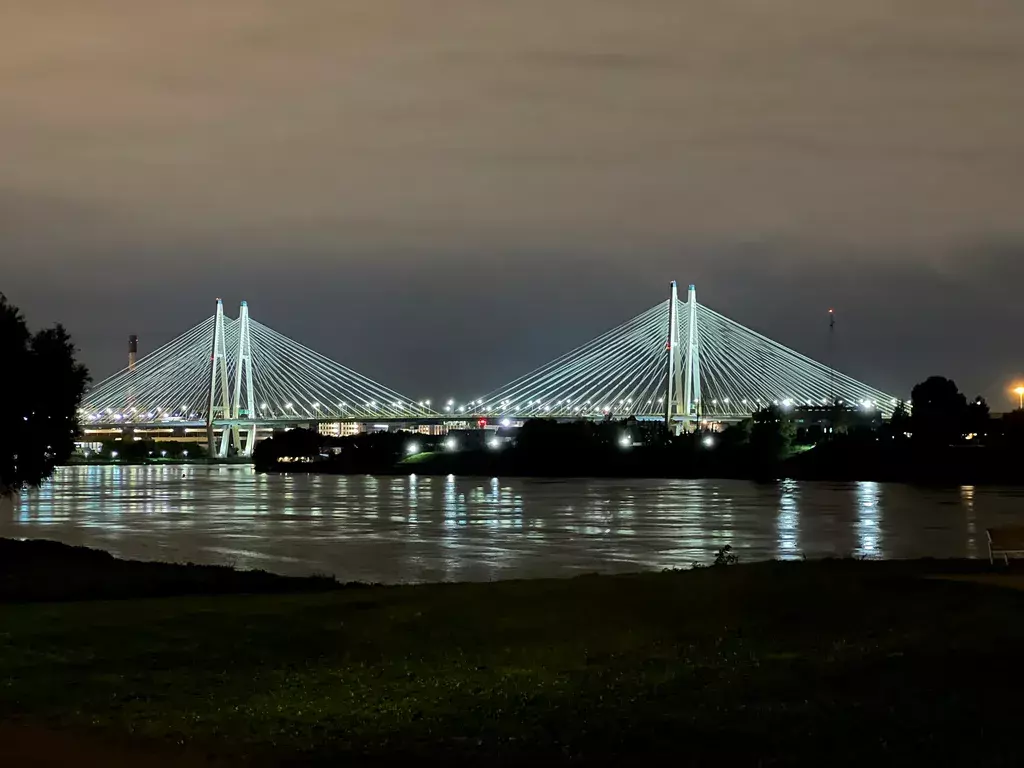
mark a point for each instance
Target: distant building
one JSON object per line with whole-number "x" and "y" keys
{"x": 340, "y": 428}
{"x": 431, "y": 429}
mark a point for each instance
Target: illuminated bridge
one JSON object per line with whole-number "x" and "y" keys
{"x": 679, "y": 361}
{"x": 230, "y": 376}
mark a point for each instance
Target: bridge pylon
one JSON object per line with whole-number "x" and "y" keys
{"x": 243, "y": 374}
{"x": 682, "y": 395}
{"x": 673, "y": 379}
{"x": 220, "y": 407}
{"x": 691, "y": 387}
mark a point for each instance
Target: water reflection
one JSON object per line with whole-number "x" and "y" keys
{"x": 967, "y": 497}
{"x": 398, "y": 529}
{"x": 788, "y": 521}
{"x": 868, "y": 520}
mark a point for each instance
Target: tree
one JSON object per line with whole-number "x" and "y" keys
{"x": 977, "y": 418}
{"x": 899, "y": 422}
{"x": 291, "y": 444}
{"x": 44, "y": 385}
{"x": 938, "y": 412}
{"x": 1012, "y": 428}
{"x": 771, "y": 435}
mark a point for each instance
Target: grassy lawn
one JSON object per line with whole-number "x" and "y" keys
{"x": 802, "y": 663}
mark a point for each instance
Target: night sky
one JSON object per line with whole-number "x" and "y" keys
{"x": 445, "y": 194}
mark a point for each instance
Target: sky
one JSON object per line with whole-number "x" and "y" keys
{"x": 444, "y": 195}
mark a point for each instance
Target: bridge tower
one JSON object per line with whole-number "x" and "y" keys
{"x": 673, "y": 393}
{"x": 220, "y": 407}
{"x": 691, "y": 389}
{"x": 243, "y": 370}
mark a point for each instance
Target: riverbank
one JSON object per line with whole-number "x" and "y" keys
{"x": 961, "y": 466}
{"x": 624, "y": 450}
{"x": 39, "y": 570}
{"x": 829, "y": 662}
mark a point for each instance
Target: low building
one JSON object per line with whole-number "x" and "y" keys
{"x": 434, "y": 430}
{"x": 340, "y": 428}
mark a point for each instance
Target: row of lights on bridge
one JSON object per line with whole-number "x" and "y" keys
{"x": 475, "y": 406}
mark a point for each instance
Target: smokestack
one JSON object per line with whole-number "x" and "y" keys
{"x": 133, "y": 351}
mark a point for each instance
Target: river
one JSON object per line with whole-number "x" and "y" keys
{"x": 417, "y": 529}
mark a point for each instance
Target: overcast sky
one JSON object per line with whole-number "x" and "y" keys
{"x": 444, "y": 194}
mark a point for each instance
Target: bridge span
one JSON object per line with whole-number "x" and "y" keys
{"x": 678, "y": 361}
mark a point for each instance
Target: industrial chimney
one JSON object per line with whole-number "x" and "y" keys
{"x": 133, "y": 351}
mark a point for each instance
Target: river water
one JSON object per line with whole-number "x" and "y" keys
{"x": 415, "y": 529}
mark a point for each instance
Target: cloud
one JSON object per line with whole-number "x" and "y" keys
{"x": 472, "y": 142}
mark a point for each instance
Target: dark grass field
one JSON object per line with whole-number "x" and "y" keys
{"x": 827, "y": 663}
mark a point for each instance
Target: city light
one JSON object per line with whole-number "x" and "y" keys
{"x": 709, "y": 442}
{"x": 626, "y": 441}
{"x": 412, "y": 448}
{"x": 113, "y": 454}
{"x": 506, "y": 422}
{"x": 1019, "y": 392}
{"x": 494, "y": 443}
{"x": 451, "y": 444}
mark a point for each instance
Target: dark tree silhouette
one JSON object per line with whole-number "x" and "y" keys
{"x": 1012, "y": 428}
{"x": 938, "y": 413}
{"x": 771, "y": 435}
{"x": 899, "y": 422}
{"x": 977, "y": 418}
{"x": 43, "y": 386}
{"x": 293, "y": 443}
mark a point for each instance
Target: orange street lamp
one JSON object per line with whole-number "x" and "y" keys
{"x": 1019, "y": 392}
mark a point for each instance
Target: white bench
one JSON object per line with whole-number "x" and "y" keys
{"x": 1005, "y": 543}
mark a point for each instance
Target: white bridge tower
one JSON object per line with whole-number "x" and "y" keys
{"x": 682, "y": 396}
{"x": 240, "y": 412}
{"x": 691, "y": 389}
{"x": 220, "y": 408}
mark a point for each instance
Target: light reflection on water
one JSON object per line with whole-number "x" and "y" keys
{"x": 402, "y": 529}
{"x": 868, "y": 520}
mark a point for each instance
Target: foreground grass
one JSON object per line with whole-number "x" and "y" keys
{"x": 813, "y": 663}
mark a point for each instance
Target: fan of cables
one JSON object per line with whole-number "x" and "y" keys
{"x": 289, "y": 381}
{"x": 624, "y": 372}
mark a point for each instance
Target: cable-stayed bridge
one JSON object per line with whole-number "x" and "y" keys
{"x": 679, "y": 361}
{"x": 233, "y": 375}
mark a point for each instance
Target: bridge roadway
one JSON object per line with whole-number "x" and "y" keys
{"x": 114, "y": 427}
{"x": 264, "y": 425}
